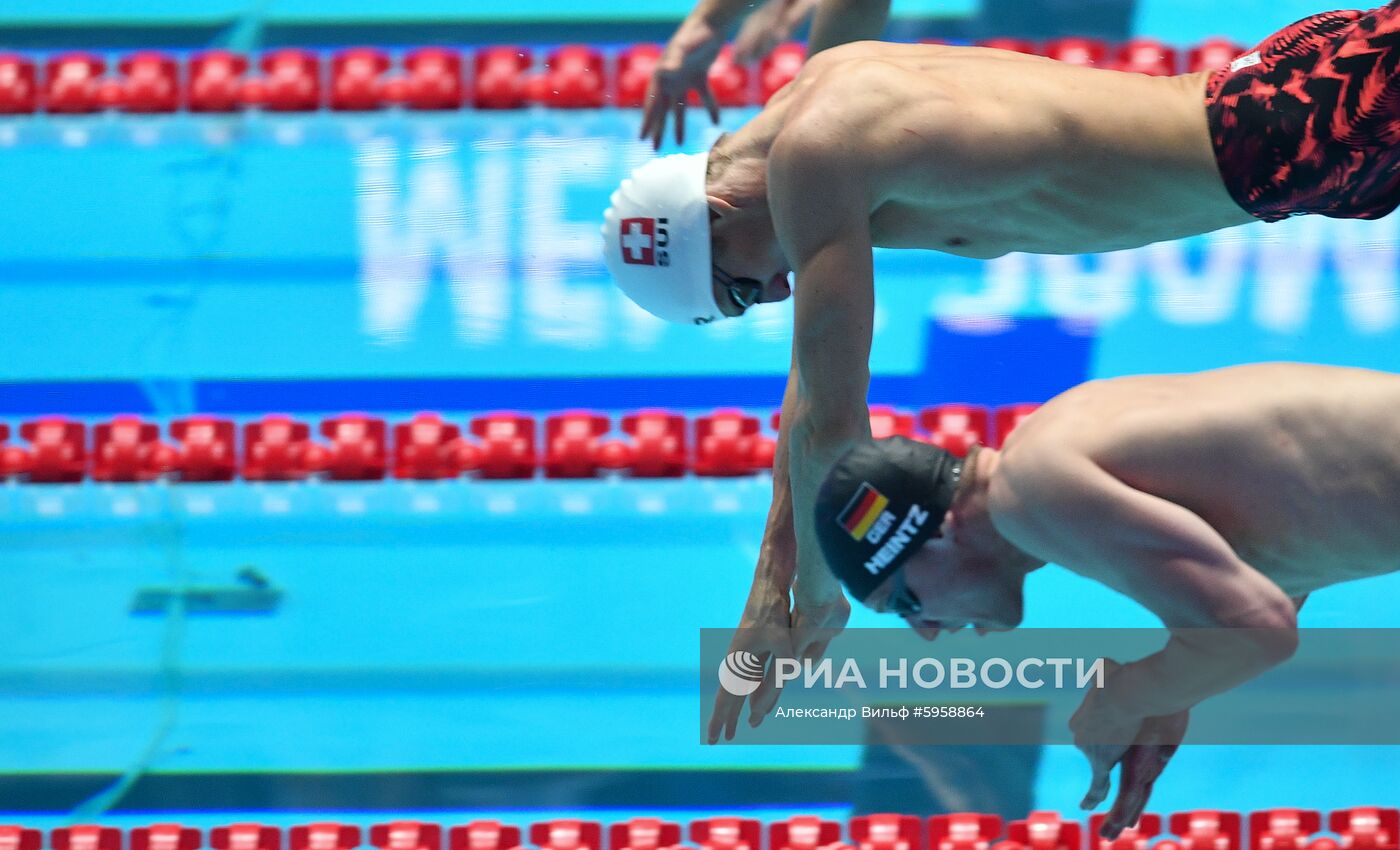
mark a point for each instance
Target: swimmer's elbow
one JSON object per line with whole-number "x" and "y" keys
{"x": 1269, "y": 632}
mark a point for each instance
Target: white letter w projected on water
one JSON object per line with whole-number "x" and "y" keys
{"x": 408, "y": 226}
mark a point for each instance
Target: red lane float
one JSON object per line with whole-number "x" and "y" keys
{"x": 85, "y": 837}
{"x": 779, "y": 68}
{"x": 887, "y": 831}
{"x": 635, "y": 66}
{"x": 726, "y": 833}
{"x": 567, "y": 835}
{"x": 575, "y": 77}
{"x": 484, "y": 835}
{"x": 1042, "y": 831}
{"x": 1366, "y": 828}
{"x": 1203, "y": 829}
{"x": 1147, "y": 56}
{"x": 1009, "y": 416}
{"x": 963, "y": 831}
{"x": 216, "y": 81}
{"x": 427, "y": 448}
{"x": 1134, "y": 838}
{"x": 1211, "y": 54}
{"x": 1086, "y": 52}
{"x": 956, "y": 428}
{"x": 57, "y": 450}
{"x": 507, "y": 442}
{"x": 657, "y": 445}
{"x": 291, "y": 81}
{"x": 205, "y": 448}
{"x": 245, "y": 836}
{"x": 72, "y": 82}
{"x": 805, "y": 832}
{"x": 644, "y": 834}
{"x": 164, "y": 836}
{"x": 727, "y": 443}
{"x": 128, "y": 449}
{"x": 279, "y": 448}
{"x": 357, "y": 79}
{"x": 324, "y": 836}
{"x": 408, "y": 835}
{"x": 150, "y": 82}
{"x": 19, "y": 89}
{"x": 499, "y": 81}
{"x": 357, "y": 450}
{"x": 432, "y": 80}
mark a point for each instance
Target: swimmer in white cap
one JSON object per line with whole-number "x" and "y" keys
{"x": 977, "y": 152}
{"x": 1218, "y": 501}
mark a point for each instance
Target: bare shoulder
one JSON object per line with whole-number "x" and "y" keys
{"x": 1046, "y": 464}
{"x": 841, "y": 95}
{"x": 822, "y": 176}
{"x": 838, "y": 133}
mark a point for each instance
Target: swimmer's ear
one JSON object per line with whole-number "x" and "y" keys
{"x": 719, "y": 207}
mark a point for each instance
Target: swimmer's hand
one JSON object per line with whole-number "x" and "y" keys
{"x": 770, "y": 25}
{"x": 683, "y": 67}
{"x": 1155, "y": 741}
{"x": 771, "y": 628}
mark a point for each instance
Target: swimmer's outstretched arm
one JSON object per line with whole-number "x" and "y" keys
{"x": 1229, "y": 622}
{"x": 788, "y": 613}
{"x": 827, "y": 240}
{"x": 820, "y": 212}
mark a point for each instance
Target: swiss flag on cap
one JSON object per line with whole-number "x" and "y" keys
{"x": 638, "y": 240}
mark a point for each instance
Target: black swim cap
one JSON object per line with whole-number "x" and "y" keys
{"x": 879, "y": 504}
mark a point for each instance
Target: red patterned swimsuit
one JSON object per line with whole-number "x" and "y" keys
{"x": 1309, "y": 121}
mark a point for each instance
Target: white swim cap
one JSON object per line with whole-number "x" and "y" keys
{"x": 656, "y": 239}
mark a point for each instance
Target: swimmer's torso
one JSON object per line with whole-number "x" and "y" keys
{"x": 980, "y": 152}
{"x": 1298, "y": 467}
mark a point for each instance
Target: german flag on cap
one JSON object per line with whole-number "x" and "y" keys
{"x": 911, "y": 481}
{"x": 864, "y": 508}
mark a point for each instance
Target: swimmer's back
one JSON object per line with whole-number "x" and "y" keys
{"x": 1297, "y": 466}
{"x": 979, "y": 152}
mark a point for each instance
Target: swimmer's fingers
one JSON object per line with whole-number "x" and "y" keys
{"x": 924, "y": 631}
{"x": 811, "y": 647}
{"x": 725, "y": 717}
{"x": 765, "y": 698}
{"x": 761, "y": 704}
{"x": 679, "y": 111}
{"x": 664, "y": 94}
{"x": 1100, "y": 783}
{"x": 654, "y": 117}
{"x": 752, "y": 42}
{"x": 1143, "y": 764}
{"x": 1141, "y": 767}
{"x": 707, "y": 95}
{"x": 769, "y": 26}
{"x": 796, "y": 13}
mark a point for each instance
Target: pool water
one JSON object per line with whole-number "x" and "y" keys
{"x": 534, "y": 629}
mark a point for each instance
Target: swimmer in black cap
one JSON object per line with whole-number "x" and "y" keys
{"x": 1217, "y": 500}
